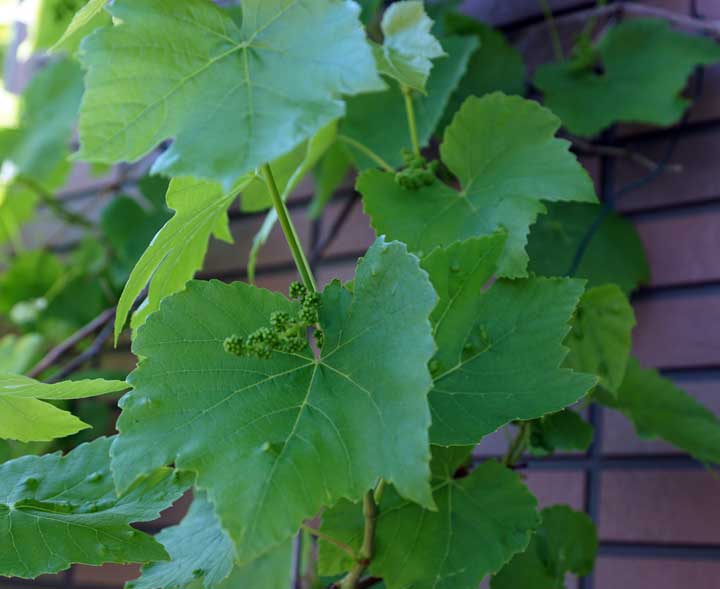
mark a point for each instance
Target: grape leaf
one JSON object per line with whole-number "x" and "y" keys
{"x": 378, "y": 121}
{"x": 57, "y": 510}
{"x": 178, "y": 249}
{"x": 645, "y": 65}
{"x": 564, "y": 430}
{"x": 499, "y": 351}
{"x": 202, "y": 554}
{"x": 25, "y": 417}
{"x": 481, "y": 521}
{"x": 566, "y": 542}
{"x": 659, "y": 409}
{"x": 495, "y": 66}
{"x": 503, "y": 151}
{"x": 614, "y": 254}
{"x": 233, "y": 97}
{"x": 17, "y": 207}
{"x": 130, "y": 227}
{"x": 408, "y": 45}
{"x": 601, "y": 335}
{"x": 90, "y": 17}
{"x": 302, "y": 432}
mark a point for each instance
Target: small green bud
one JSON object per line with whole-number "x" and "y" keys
{"x": 297, "y": 290}
{"x": 279, "y": 320}
{"x": 308, "y": 315}
{"x": 234, "y": 345}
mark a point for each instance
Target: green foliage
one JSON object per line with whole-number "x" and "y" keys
{"x": 264, "y": 415}
{"x": 480, "y": 522}
{"x": 223, "y": 128}
{"x": 601, "y": 335}
{"x": 408, "y": 46}
{"x": 27, "y": 418}
{"x": 499, "y": 351}
{"x": 90, "y": 17}
{"x": 58, "y": 510}
{"x": 178, "y": 249}
{"x": 565, "y": 543}
{"x": 378, "y": 122}
{"x": 659, "y": 409}
{"x": 615, "y": 253}
{"x": 644, "y": 66}
{"x": 503, "y": 184}
{"x": 202, "y": 554}
{"x": 564, "y": 430}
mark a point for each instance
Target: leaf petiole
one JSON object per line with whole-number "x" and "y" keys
{"x": 365, "y": 150}
{"x": 289, "y": 230}
{"x": 412, "y": 124}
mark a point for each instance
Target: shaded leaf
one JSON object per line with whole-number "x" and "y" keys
{"x": 234, "y": 97}
{"x": 566, "y": 542}
{"x": 504, "y": 153}
{"x": 481, "y": 521}
{"x": 301, "y": 432}
{"x": 614, "y": 253}
{"x": 644, "y": 65}
{"x": 601, "y": 335}
{"x": 564, "y": 430}
{"x": 57, "y": 510}
{"x": 660, "y": 409}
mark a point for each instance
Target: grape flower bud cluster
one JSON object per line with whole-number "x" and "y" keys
{"x": 418, "y": 172}
{"x": 285, "y": 334}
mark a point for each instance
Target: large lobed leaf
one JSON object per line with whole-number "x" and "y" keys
{"x": 660, "y": 409}
{"x": 300, "y": 432}
{"x": 499, "y": 351}
{"x": 55, "y": 511}
{"x": 27, "y": 418}
{"x": 202, "y": 554}
{"x": 645, "y": 66}
{"x": 612, "y": 254}
{"x": 481, "y": 521}
{"x": 566, "y": 542}
{"x": 233, "y": 96}
{"x": 503, "y": 151}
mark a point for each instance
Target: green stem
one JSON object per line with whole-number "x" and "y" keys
{"x": 412, "y": 124}
{"x": 322, "y": 536}
{"x": 370, "y": 513}
{"x": 552, "y": 27}
{"x": 289, "y": 230}
{"x": 518, "y": 446}
{"x": 364, "y": 149}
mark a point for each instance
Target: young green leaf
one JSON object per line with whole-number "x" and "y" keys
{"x": 90, "y": 17}
{"x": 659, "y": 409}
{"x": 499, "y": 351}
{"x": 565, "y": 543}
{"x": 645, "y": 65}
{"x": 481, "y": 521}
{"x": 601, "y": 335}
{"x": 55, "y": 511}
{"x": 614, "y": 254}
{"x": 17, "y": 353}
{"x": 495, "y": 66}
{"x": 301, "y": 432}
{"x": 564, "y": 430}
{"x": 233, "y": 97}
{"x": 503, "y": 151}
{"x": 201, "y": 553}
{"x": 178, "y": 249}
{"x": 378, "y": 121}
{"x": 408, "y": 47}
{"x": 25, "y": 417}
